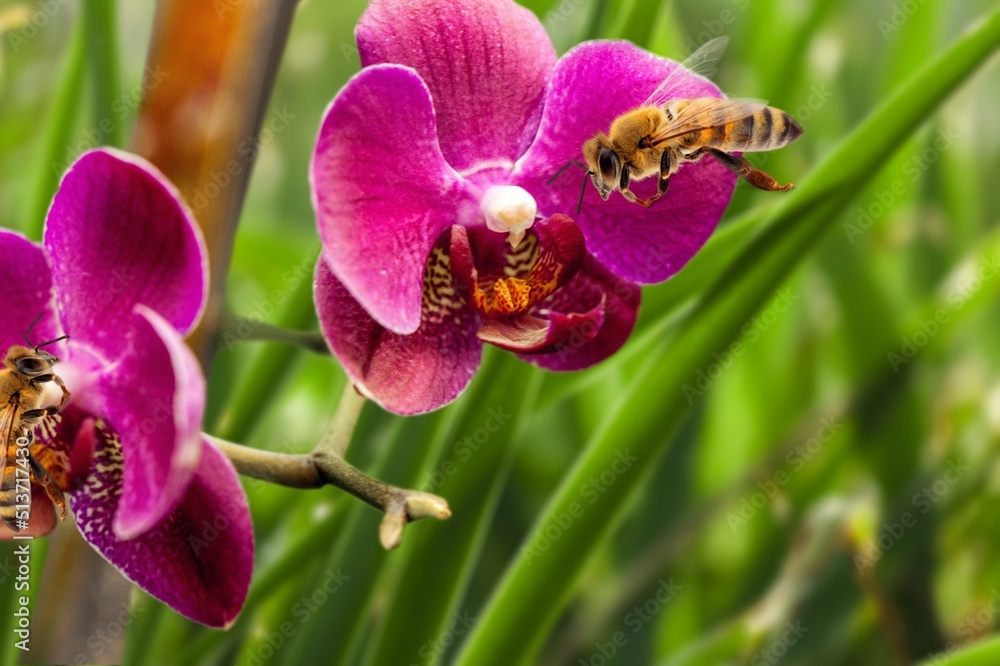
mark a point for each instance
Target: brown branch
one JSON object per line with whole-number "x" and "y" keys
{"x": 326, "y": 466}
{"x": 209, "y": 75}
{"x": 318, "y": 469}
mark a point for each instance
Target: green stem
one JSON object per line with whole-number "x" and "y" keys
{"x": 266, "y": 372}
{"x": 234, "y": 329}
{"x": 100, "y": 19}
{"x": 58, "y": 135}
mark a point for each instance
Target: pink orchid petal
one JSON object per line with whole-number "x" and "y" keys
{"x": 592, "y": 85}
{"x": 383, "y": 192}
{"x": 594, "y": 286}
{"x": 406, "y": 374}
{"x": 25, "y": 293}
{"x": 529, "y": 334}
{"x": 155, "y": 398}
{"x": 118, "y": 235}
{"x": 486, "y": 63}
{"x": 199, "y": 558}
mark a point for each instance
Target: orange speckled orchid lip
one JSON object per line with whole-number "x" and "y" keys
{"x": 500, "y": 281}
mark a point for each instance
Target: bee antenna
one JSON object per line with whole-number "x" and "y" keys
{"x": 44, "y": 344}
{"x": 52, "y": 342}
{"x": 583, "y": 190}
{"x": 566, "y": 166}
{"x": 31, "y": 328}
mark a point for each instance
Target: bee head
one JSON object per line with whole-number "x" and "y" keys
{"x": 30, "y": 362}
{"x": 604, "y": 163}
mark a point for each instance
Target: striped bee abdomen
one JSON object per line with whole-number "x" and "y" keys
{"x": 767, "y": 129}
{"x": 9, "y": 483}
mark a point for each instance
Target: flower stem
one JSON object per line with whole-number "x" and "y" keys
{"x": 326, "y": 466}
{"x": 321, "y": 468}
{"x": 234, "y": 329}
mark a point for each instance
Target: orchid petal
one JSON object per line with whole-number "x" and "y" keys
{"x": 154, "y": 397}
{"x": 486, "y": 63}
{"x": 198, "y": 559}
{"x": 383, "y": 192}
{"x": 25, "y": 292}
{"x": 119, "y": 235}
{"x": 593, "y": 286}
{"x": 406, "y": 374}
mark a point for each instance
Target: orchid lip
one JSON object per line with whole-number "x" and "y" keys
{"x": 511, "y": 210}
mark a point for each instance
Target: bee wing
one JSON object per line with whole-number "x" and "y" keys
{"x": 705, "y": 113}
{"x": 8, "y": 482}
{"x": 701, "y": 62}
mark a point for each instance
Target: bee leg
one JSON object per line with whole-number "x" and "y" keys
{"x": 52, "y": 489}
{"x": 745, "y": 170}
{"x": 666, "y": 166}
{"x": 42, "y": 379}
{"x": 630, "y": 196}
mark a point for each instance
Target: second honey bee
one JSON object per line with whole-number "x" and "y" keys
{"x": 23, "y": 380}
{"x": 662, "y": 134}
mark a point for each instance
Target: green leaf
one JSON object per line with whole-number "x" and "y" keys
{"x": 985, "y": 653}
{"x": 425, "y": 610}
{"x": 536, "y": 587}
{"x": 59, "y": 129}
{"x": 102, "y": 54}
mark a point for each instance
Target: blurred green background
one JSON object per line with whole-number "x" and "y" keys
{"x": 830, "y": 493}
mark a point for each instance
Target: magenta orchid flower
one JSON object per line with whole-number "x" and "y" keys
{"x": 122, "y": 271}
{"x": 440, "y": 229}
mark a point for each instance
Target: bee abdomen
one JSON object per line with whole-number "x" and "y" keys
{"x": 8, "y": 492}
{"x": 767, "y": 129}
{"x": 773, "y": 129}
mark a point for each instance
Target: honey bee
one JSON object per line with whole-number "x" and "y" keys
{"x": 662, "y": 134}
{"x": 22, "y": 389}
